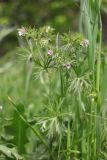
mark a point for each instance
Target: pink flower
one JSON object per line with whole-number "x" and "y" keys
{"x": 50, "y": 52}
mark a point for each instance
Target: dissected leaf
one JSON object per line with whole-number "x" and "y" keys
{"x": 10, "y": 152}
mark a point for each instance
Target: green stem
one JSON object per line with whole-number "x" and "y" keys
{"x": 98, "y": 71}
{"x": 61, "y": 82}
{"x": 68, "y": 141}
{"x": 99, "y": 64}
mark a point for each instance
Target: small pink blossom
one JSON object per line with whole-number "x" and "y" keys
{"x": 50, "y": 52}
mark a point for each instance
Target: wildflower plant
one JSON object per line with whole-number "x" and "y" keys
{"x": 66, "y": 120}
{"x": 69, "y": 74}
{"x": 60, "y": 65}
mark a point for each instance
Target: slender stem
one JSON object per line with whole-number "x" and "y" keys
{"x": 68, "y": 141}
{"x": 98, "y": 71}
{"x": 99, "y": 64}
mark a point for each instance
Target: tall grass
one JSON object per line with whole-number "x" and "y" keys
{"x": 91, "y": 26}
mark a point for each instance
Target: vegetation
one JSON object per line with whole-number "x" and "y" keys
{"x": 53, "y": 93}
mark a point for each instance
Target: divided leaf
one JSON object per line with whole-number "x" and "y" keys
{"x": 10, "y": 152}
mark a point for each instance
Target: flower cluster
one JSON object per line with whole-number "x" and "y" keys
{"x": 65, "y": 56}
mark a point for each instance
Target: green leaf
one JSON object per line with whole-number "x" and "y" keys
{"x": 18, "y": 129}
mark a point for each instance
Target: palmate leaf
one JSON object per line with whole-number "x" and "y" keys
{"x": 9, "y": 152}
{"x": 18, "y": 129}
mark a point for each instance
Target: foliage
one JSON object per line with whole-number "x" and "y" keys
{"x": 17, "y": 129}
{"x": 10, "y": 152}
